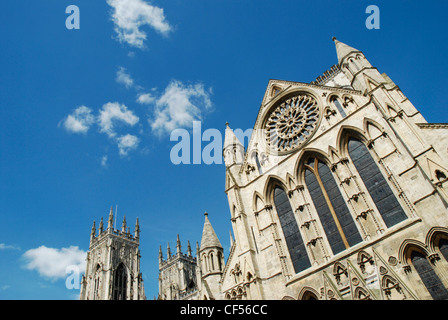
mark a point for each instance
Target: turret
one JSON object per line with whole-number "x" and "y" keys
{"x": 233, "y": 150}
{"x": 211, "y": 259}
{"x": 362, "y": 75}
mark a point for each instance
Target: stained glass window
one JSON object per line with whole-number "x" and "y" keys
{"x": 332, "y": 210}
{"x": 119, "y": 289}
{"x": 291, "y": 231}
{"x": 430, "y": 279}
{"x": 385, "y": 200}
{"x": 339, "y": 107}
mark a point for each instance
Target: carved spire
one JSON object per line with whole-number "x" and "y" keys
{"x": 110, "y": 222}
{"x": 160, "y": 255}
{"x": 100, "y": 230}
{"x": 137, "y": 229}
{"x": 92, "y": 232}
{"x": 209, "y": 238}
{"x": 343, "y": 50}
{"x": 168, "y": 251}
{"x": 178, "y": 246}
{"x": 189, "y": 249}
{"x": 123, "y": 225}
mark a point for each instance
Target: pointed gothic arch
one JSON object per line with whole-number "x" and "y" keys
{"x": 120, "y": 282}
{"x": 437, "y": 241}
{"x": 258, "y": 202}
{"x": 372, "y": 128}
{"x": 308, "y": 293}
{"x": 415, "y": 256}
{"x": 278, "y": 197}
{"x": 362, "y": 294}
{"x": 335, "y": 217}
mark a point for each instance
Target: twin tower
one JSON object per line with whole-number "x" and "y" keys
{"x": 113, "y": 263}
{"x": 184, "y": 277}
{"x": 113, "y": 266}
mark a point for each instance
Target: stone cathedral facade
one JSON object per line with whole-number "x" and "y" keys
{"x": 342, "y": 193}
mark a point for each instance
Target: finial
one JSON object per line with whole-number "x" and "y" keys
{"x": 189, "y": 249}
{"x": 178, "y": 247}
{"x": 205, "y": 213}
{"x": 137, "y": 229}
{"x": 123, "y": 226}
{"x": 110, "y": 222}
{"x": 227, "y": 124}
{"x": 160, "y": 254}
{"x": 334, "y": 38}
{"x": 92, "y": 233}
{"x": 101, "y": 225}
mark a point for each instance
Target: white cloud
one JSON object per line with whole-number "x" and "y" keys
{"x": 124, "y": 78}
{"x": 79, "y": 121}
{"x": 127, "y": 143}
{"x": 104, "y": 161}
{"x": 145, "y": 98}
{"x": 130, "y": 15}
{"x": 179, "y": 106}
{"x": 52, "y": 263}
{"x": 8, "y": 247}
{"x": 113, "y": 112}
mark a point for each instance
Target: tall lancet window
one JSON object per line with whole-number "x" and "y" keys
{"x": 120, "y": 280}
{"x": 385, "y": 200}
{"x": 291, "y": 231}
{"x": 257, "y": 161}
{"x": 333, "y": 213}
{"x": 338, "y": 106}
{"x": 443, "y": 247}
{"x": 429, "y": 278}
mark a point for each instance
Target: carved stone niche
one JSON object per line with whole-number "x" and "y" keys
{"x": 340, "y": 273}
{"x": 366, "y": 262}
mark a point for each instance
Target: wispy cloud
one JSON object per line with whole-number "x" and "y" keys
{"x": 8, "y": 247}
{"x": 145, "y": 98}
{"x": 179, "y": 106}
{"x": 113, "y": 113}
{"x": 129, "y": 16}
{"x": 127, "y": 143}
{"x": 124, "y": 78}
{"x": 51, "y": 263}
{"x": 104, "y": 161}
{"x": 79, "y": 121}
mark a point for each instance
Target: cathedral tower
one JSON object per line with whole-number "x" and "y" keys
{"x": 113, "y": 264}
{"x": 177, "y": 274}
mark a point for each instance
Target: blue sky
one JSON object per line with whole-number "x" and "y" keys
{"x": 86, "y": 114}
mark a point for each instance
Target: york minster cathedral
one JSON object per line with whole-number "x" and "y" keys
{"x": 341, "y": 194}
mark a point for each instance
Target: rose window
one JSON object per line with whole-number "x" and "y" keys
{"x": 292, "y": 123}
